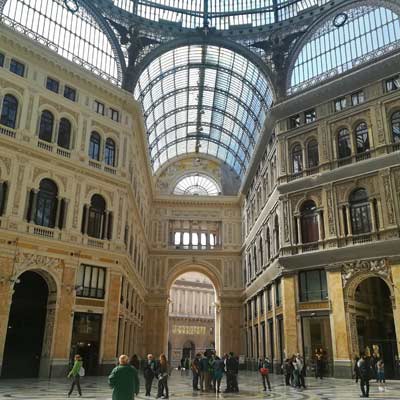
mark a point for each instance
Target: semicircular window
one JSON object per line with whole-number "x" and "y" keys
{"x": 203, "y": 99}
{"x": 365, "y": 32}
{"x": 197, "y": 185}
{"x": 66, "y": 28}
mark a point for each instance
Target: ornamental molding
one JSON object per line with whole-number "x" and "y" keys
{"x": 350, "y": 270}
{"x": 29, "y": 260}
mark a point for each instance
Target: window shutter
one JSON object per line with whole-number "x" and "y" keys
{"x": 84, "y": 218}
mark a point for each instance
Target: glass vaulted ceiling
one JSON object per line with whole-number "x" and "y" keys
{"x": 203, "y": 99}
{"x": 220, "y": 14}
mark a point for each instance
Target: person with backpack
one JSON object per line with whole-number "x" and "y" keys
{"x": 264, "y": 367}
{"x": 76, "y": 373}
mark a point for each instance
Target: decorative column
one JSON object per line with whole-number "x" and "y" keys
{"x": 348, "y": 219}
{"x": 338, "y": 317}
{"x": 33, "y": 206}
{"x": 298, "y": 224}
{"x": 395, "y": 269}
{"x": 105, "y": 230}
{"x": 373, "y": 217}
{"x": 320, "y": 226}
{"x": 58, "y": 210}
{"x": 86, "y": 222}
{"x": 289, "y": 315}
{"x": 110, "y": 323}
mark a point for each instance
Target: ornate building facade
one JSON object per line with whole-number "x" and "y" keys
{"x": 259, "y": 148}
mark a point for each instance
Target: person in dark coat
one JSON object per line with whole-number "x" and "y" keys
{"x": 162, "y": 374}
{"x": 366, "y": 372}
{"x": 124, "y": 380}
{"x": 319, "y": 363}
{"x": 149, "y": 373}
{"x": 134, "y": 361}
{"x": 196, "y": 371}
{"x": 232, "y": 370}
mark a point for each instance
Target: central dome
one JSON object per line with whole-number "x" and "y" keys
{"x": 220, "y": 14}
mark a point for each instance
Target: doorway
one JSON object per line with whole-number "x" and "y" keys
{"x": 375, "y": 327}
{"x": 86, "y": 334}
{"x": 26, "y": 327}
{"x": 191, "y": 319}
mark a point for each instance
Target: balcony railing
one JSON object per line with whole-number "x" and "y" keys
{"x": 45, "y": 145}
{"x": 194, "y": 247}
{"x": 7, "y": 131}
{"x": 44, "y": 232}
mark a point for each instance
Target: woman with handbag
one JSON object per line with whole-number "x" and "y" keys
{"x": 162, "y": 375}
{"x": 76, "y": 372}
{"x": 264, "y": 367}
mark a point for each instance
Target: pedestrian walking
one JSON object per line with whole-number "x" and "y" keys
{"x": 264, "y": 367}
{"x": 196, "y": 371}
{"x": 356, "y": 370}
{"x": 162, "y": 376}
{"x": 76, "y": 372}
{"x": 149, "y": 373}
{"x": 124, "y": 380}
{"x": 366, "y": 372}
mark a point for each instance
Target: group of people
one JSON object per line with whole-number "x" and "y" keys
{"x": 208, "y": 369}
{"x": 294, "y": 370}
{"x": 367, "y": 368}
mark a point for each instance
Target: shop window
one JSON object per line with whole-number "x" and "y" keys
{"x": 52, "y": 85}
{"x": 313, "y": 286}
{"x": 46, "y": 126}
{"x": 9, "y": 111}
{"x": 69, "y": 93}
{"x": 99, "y": 107}
{"x": 294, "y": 121}
{"x": 94, "y": 146}
{"x": 309, "y": 222}
{"x": 360, "y": 212}
{"x": 64, "y": 133}
{"x": 340, "y": 104}
{"x": 17, "y": 67}
{"x": 357, "y": 98}
{"x": 392, "y": 83}
{"x": 91, "y": 281}
{"x": 310, "y": 116}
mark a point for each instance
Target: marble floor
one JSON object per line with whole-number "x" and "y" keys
{"x": 180, "y": 388}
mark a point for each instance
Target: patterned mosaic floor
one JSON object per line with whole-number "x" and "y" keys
{"x": 180, "y": 388}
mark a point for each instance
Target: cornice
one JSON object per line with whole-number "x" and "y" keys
{"x": 201, "y": 201}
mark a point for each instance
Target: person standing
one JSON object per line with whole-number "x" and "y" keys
{"x": 149, "y": 373}
{"x": 196, "y": 371}
{"x": 162, "y": 375}
{"x": 204, "y": 374}
{"x": 124, "y": 380}
{"x": 356, "y": 370}
{"x": 319, "y": 364}
{"x": 264, "y": 367}
{"x": 287, "y": 368}
{"x": 75, "y": 375}
{"x": 380, "y": 373}
{"x": 218, "y": 373}
{"x": 134, "y": 361}
{"x": 232, "y": 370}
{"x": 364, "y": 368}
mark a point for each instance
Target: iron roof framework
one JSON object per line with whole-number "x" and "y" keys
{"x": 203, "y": 99}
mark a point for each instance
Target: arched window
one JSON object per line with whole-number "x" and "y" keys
{"x": 46, "y": 126}
{"x": 395, "y": 122}
{"x": 361, "y": 136}
{"x": 360, "y": 212}
{"x": 309, "y": 222}
{"x": 297, "y": 159}
{"x": 343, "y": 41}
{"x": 196, "y": 185}
{"x": 9, "y": 111}
{"x": 96, "y": 217}
{"x": 277, "y": 244}
{"x": 261, "y": 252}
{"x": 46, "y": 204}
{"x": 109, "y": 152}
{"x": 312, "y": 154}
{"x": 64, "y": 133}
{"x": 94, "y": 146}
{"x": 344, "y": 144}
{"x": 268, "y": 240}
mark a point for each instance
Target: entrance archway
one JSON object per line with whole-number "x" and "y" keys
{"x": 30, "y": 326}
{"x": 191, "y": 317}
{"x": 373, "y": 323}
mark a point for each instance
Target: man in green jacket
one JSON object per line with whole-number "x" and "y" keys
{"x": 124, "y": 380}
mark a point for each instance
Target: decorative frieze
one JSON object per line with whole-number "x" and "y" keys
{"x": 351, "y": 269}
